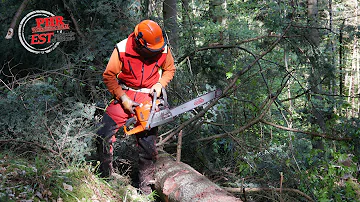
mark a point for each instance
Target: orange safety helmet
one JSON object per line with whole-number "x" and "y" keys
{"x": 150, "y": 35}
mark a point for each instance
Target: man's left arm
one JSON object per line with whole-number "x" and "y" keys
{"x": 168, "y": 70}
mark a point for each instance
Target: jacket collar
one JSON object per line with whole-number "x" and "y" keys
{"x": 130, "y": 46}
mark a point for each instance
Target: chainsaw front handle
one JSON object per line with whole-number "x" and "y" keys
{"x": 147, "y": 127}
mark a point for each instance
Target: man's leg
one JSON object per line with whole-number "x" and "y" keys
{"x": 113, "y": 119}
{"x": 147, "y": 157}
{"x": 105, "y": 150}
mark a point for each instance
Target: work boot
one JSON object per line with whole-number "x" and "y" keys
{"x": 105, "y": 139}
{"x": 106, "y": 165}
{"x": 146, "y": 175}
{"x": 105, "y": 154}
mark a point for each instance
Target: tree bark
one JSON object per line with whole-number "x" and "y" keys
{"x": 145, "y": 8}
{"x": 217, "y": 10}
{"x": 180, "y": 182}
{"x": 148, "y": 8}
{"x": 313, "y": 34}
{"x": 76, "y": 25}
{"x": 10, "y": 32}
{"x": 170, "y": 22}
{"x": 341, "y": 56}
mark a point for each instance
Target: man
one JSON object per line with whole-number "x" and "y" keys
{"x": 139, "y": 66}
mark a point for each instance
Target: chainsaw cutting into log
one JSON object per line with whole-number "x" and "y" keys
{"x": 151, "y": 114}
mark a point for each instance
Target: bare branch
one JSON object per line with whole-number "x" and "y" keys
{"x": 11, "y": 29}
{"x": 305, "y": 132}
{"x": 263, "y": 109}
{"x": 37, "y": 145}
{"x": 242, "y": 190}
{"x": 227, "y": 89}
{"x": 234, "y": 45}
{"x": 76, "y": 25}
{"x": 178, "y": 154}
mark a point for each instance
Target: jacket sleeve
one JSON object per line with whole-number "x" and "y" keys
{"x": 168, "y": 69}
{"x": 113, "y": 68}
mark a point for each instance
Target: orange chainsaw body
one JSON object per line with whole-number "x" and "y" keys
{"x": 142, "y": 113}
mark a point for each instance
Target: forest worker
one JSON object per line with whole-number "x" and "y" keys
{"x": 131, "y": 76}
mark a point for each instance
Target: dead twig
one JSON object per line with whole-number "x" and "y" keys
{"x": 178, "y": 154}
{"x": 307, "y": 133}
{"x": 76, "y": 25}
{"x": 263, "y": 109}
{"x": 37, "y": 145}
{"x": 243, "y": 190}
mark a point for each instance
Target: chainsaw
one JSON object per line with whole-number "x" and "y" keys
{"x": 157, "y": 112}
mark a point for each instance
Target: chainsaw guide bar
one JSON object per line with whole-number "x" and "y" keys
{"x": 149, "y": 115}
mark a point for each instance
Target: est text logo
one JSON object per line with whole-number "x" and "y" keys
{"x": 46, "y": 31}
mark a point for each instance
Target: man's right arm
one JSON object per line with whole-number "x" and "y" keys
{"x": 113, "y": 68}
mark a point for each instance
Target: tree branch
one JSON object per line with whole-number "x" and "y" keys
{"x": 305, "y": 132}
{"x": 227, "y": 89}
{"x": 10, "y": 32}
{"x": 35, "y": 144}
{"x": 233, "y": 46}
{"x": 76, "y": 25}
{"x": 264, "y": 108}
{"x": 242, "y": 190}
{"x": 178, "y": 154}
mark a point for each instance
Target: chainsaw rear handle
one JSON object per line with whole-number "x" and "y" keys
{"x": 135, "y": 130}
{"x": 130, "y": 121}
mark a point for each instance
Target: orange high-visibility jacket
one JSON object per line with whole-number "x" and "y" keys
{"x": 128, "y": 67}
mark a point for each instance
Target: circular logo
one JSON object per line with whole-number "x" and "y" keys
{"x": 41, "y": 31}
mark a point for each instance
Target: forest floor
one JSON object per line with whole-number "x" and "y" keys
{"x": 27, "y": 180}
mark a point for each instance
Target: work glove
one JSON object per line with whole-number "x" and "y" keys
{"x": 157, "y": 88}
{"x": 128, "y": 103}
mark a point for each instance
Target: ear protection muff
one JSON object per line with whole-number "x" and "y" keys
{"x": 142, "y": 42}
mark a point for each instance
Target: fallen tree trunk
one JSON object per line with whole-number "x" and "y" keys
{"x": 178, "y": 182}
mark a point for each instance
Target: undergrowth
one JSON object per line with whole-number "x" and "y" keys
{"x": 35, "y": 179}
{"x": 47, "y": 142}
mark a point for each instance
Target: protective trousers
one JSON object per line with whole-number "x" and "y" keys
{"x": 114, "y": 118}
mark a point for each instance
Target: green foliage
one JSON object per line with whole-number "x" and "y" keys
{"x": 24, "y": 109}
{"x": 34, "y": 179}
{"x": 331, "y": 177}
{"x": 36, "y": 113}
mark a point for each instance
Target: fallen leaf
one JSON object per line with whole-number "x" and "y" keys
{"x": 2, "y": 169}
{"x": 39, "y": 195}
{"x": 67, "y": 187}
